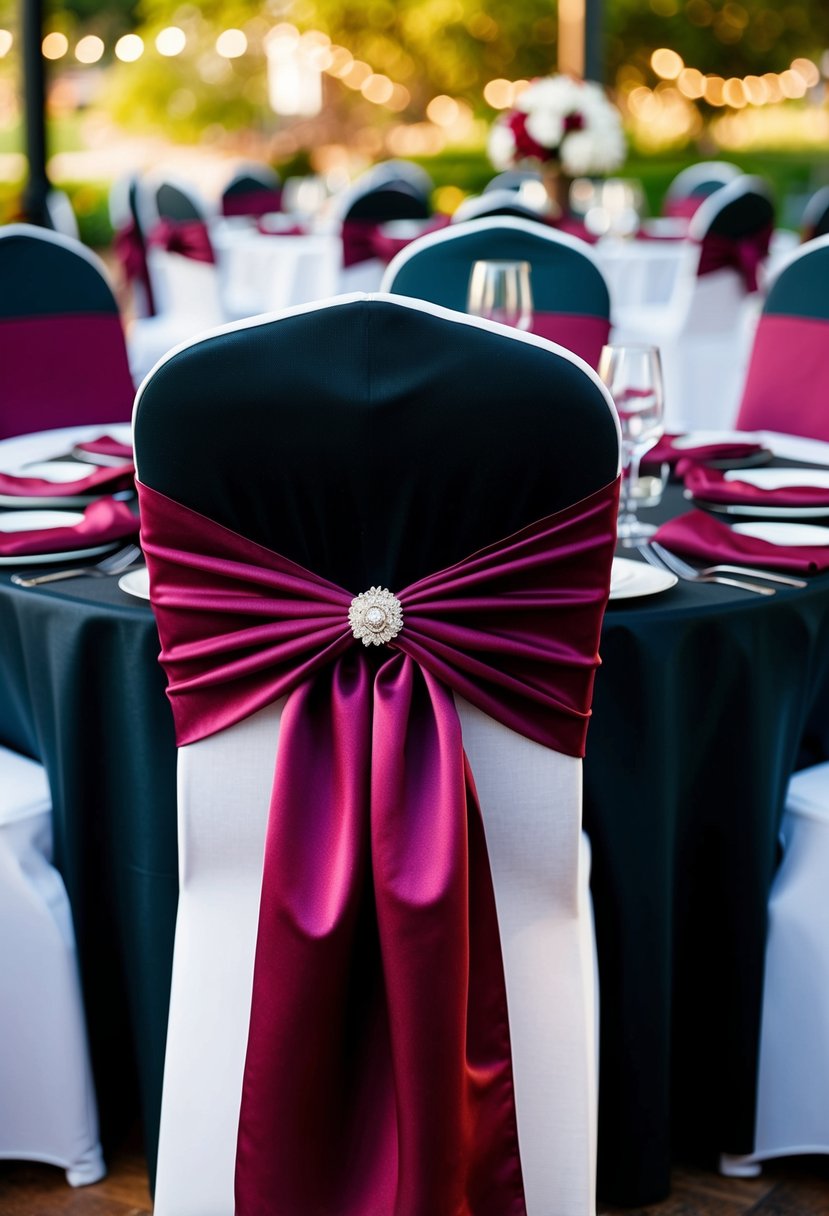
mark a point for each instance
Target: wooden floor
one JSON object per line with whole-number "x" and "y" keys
{"x": 794, "y": 1188}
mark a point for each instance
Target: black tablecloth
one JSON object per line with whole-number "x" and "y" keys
{"x": 704, "y": 701}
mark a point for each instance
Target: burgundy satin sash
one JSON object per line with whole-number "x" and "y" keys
{"x": 189, "y": 238}
{"x": 63, "y": 371}
{"x": 683, "y": 208}
{"x": 583, "y": 335}
{"x": 252, "y": 202}
{"x": 743, "y": 254}
{"x": 129, "y": 249}
{"x": 378, "y": 1077}
{"x": 787, "y": 385}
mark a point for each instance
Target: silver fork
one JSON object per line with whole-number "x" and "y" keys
{"x": 113, "y": 563}
{"x": 666, "y": 561}
{"x": 787, "y": 580}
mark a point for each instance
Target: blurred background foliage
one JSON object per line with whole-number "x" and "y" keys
{"x": 440, "y": 59}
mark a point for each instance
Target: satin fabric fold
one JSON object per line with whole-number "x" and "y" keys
{"x": 129, "y": 247}
{"x": 743, "y": 254}
{"x": 378, "y": 1077}
{"x": 190, "y": 238}
{"x": 103, "y": 521}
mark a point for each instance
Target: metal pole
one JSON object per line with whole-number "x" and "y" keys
{"x": 594, "y": 64}
{"x": 34, "y": 104}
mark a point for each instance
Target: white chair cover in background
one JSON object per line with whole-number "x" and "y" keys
{"x": 705, "y": 329}
{"x": 793, "y": 1076}
{"x": 48, "y": 1109}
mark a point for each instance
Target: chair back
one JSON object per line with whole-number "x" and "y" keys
{"x": 512, "y": 179}
{"x": 787, "y": 386}
{"x": 254, "y": 190}
{"x": 403, "y": 173}
{"x": 571, "y": 302}
{"x": 815, "y": 221}
{"x": 329, "y": 485}
{"x": 61, "y": 214}
{"x": 62, "y": 349}
{"x": 693, "y": 185}
{"x": 180, "y": 255}
{"x": 130, "y": 243}
{"x": 733, "y": 228}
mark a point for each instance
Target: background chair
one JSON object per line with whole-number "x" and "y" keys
{"x": 63, "y": 360}
{"x": 815, "y": 221}
{"x": 130, "y": 245}
{"x": 48, "y": 1110}
{"x": 378, "y": 196}
{"x": 525, "y": 430}
{"x": 704, "y": 331}
{"x": 693, "y": 185}
{"x": 571, "y": 304}
{"x": 793, "y": 1071}
{"x": 253, "y": 190}
{"x": 788, "y": 375}
{"x": 181, "y": 266}
{"x": 61, "y": 214}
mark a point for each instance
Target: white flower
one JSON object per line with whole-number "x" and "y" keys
{"x": 585, "y": 152}
{"x": 545, "y": 127}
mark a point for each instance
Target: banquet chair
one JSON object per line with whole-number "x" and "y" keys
{"x": 512, "y": 179}
{"x": 63, "y": 361}
{"x": 793, "y": 1070}
{"x": 691, "y": 186}
{"x": 181, "y": 267}
{"x": 130, "y": 245}
{"x": 403, "y": 173}
{"x": 571, "y": 304}
{"x": 788, "y": 374}
{"x": 360, "y": 210}
{"x": 253, "y": 190}
{"x": 704, "y": 330}
{"x": 815, "y": 220}
{"x": 48, "y": 1110}
{"x": 501, "y": 429}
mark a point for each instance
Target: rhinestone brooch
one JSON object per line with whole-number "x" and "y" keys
{"x": 375, "y": 616}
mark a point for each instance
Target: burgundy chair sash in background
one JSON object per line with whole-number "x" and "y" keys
{"x": 252, "y": 202}
{"x": 189, "y": 238}
{"x": 787, "y": 385}
{"x": 364, "y": 239}
{"x": 131, "y": 252}
{"x": 378, "y": 1074}
{"x": 583, "y": 335}
{"x": 743, "y": 254}
{"x": 63, "y": 370}
{"x": 683, "y": 208}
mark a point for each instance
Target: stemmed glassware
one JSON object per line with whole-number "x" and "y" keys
{"x": 501, "y": 291}
{"x": 633, "y": 375}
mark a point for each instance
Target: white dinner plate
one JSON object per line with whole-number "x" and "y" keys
{"x": 136, "y": 582}
{"x": 99, "y": 458}
{"x": 629, "y": 579}
{"x": 780, "y": 479}
{"x": 790, "y": 535}
{"x": 33, "y": 521}
{"x": 704, "y": 439}
{"x": 60, "y": 472}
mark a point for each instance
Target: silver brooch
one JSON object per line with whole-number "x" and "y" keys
{"x": 375, "y": 616}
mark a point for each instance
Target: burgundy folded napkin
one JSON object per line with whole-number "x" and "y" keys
{"x": 106, "y": 445}
{"x": 699, "y": 535}
{"x": 683, "y": 459}
{"x": 103, "y": 521}
{"x": 712, "y": 486}
{"x": 107, "y": 480}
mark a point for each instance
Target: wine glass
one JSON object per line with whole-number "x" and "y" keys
{"x": 633, "y": 375}
{"x": 501, "y": 291}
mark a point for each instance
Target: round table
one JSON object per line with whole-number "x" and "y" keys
{"x": 703, "y": 706}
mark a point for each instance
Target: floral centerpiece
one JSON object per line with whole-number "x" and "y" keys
{"x": 565, "y": 125}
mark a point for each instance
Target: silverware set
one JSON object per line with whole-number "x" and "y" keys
{"x": 662, "y": 559}
{"x": 114, "y": 563}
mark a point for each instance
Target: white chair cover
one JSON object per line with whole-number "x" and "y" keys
{"x": 793, "y": 1075}
{"x": 48, "y": 1110}
{"x": 704, "y": 329}
{"x": 530, "y": 801}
